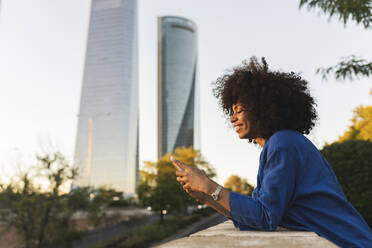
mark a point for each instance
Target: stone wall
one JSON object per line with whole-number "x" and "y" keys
{"x": 226, "y": 235}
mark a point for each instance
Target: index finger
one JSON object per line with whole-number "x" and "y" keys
{"x": 177, "y": 164}
{"x": 181, "y": 173}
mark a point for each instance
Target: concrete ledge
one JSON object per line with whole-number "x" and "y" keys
{"x": 226, "y": 235}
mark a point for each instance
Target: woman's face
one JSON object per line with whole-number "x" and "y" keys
{"x": 240, "y": 122}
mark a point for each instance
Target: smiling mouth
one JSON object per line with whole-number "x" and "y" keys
{"x": 238, "y": 127}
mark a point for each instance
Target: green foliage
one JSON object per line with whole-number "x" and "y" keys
{"x": 348, "y": 68}
{"x": 164, "y": 192}
{"x": 78, "y": 198}
{"x": 40, "y": 216}
{"x": 361, "y": 128}
{"x": 360, "y": 11}
{"x": 203, "y": 211}
{"x": 146, "y": 235}
{"x": 159, "y": 188}
{"x": 95, "y": 201}
{"x": 352, "y": 163}
{"x": 356, "y": 10}
{"x": 239, "y": 185}
{"x": 119, "y": 203}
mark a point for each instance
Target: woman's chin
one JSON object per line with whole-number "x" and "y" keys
{"x": 241, "y": 136}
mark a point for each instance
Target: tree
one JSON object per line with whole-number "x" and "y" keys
{"x": 163, "y": 192}
{"x": 40, "y": 216}
{"x": 359, "y": 11}
{"x": 352, "y": 163}
{"x": 160, "y": 189}
{"x": 361, "y": 127}
{"x": 239, "y": 185}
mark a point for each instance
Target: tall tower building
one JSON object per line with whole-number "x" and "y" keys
{"x": 107, "y": 135}
{"x": 178, "y": 89}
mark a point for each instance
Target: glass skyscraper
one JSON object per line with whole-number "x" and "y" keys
{"x": 178, "y": 95}
{"x": 107, "y": 135}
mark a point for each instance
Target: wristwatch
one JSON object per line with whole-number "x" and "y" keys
{"x": 216, "y": 193}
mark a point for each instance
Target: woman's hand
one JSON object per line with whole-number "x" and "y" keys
{"x": 192, "y": 178}
{"x": 197, "y": 195}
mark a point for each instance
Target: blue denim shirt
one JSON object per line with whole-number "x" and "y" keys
{"x": 297, "y": 189}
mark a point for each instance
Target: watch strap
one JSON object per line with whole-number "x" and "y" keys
{"x": 217, "y": 193}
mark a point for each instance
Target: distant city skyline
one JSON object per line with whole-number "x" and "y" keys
{"x": 178, "y": 116}
{"x": 107, "y": 134}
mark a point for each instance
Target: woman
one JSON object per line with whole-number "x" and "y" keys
{"x": 296, "y": 187}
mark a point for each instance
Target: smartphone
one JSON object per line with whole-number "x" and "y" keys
{"x": 176, "y": 165}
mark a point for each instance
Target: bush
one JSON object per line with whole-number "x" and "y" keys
{"x": 119, "y": 204}
{"x": 146, "y": 235}
{"x": 352, "y": 163}
{"x": 203, "y": 211}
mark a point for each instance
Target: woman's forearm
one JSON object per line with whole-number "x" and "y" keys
{"x": 208, "y": 200}
{"x": 223, "y": 198}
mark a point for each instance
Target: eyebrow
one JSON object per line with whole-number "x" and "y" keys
{"x": 236, "y": 106}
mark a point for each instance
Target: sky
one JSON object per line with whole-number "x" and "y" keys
{"x": 42, "y": 47}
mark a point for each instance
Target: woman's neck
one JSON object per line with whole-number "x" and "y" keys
{"x": 260, "y": 141}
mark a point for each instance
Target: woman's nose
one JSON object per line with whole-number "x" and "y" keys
{"x": 233, "y": 119}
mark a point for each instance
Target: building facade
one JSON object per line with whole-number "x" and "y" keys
{"x": 178, "y": 89}
{"x": 106, "y": 148}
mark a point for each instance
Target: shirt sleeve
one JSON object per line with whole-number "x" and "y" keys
{"x": 273, "y": 198}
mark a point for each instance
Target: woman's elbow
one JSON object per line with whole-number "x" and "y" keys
{"x": 270, "y": 223}
{"x": 269, "y": 227}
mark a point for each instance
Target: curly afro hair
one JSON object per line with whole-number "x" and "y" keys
{"x": 271, "y": 100}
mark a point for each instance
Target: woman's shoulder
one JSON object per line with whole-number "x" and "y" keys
{"x": 287, "y": 139}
